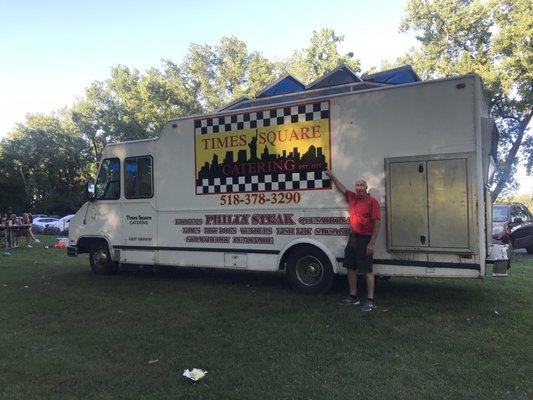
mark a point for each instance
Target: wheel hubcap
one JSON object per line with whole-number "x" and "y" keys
{"x": 309, "y": 270}
{"x": 100, "y": 258}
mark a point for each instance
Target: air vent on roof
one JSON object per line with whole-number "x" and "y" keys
{"x": 396, "y": 76}
{"x": 285, "y": 84}
{"x": 235, "y": 104}
{"x": 339, "y": 76}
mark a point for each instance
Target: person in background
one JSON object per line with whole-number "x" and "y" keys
{"x": 365, "y": 217}
{"x": 11, "y": 219}
{"x": 26, "y": 231}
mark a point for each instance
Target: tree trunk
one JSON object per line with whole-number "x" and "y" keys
{"x": 511, "y": 157}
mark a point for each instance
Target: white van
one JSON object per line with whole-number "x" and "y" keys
{"x": 245, "y": 188}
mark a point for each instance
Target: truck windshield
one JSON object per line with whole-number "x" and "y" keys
{"x": 108, "y": 182}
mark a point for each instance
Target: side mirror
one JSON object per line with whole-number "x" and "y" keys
{"x": 90, "y": 192}
{"x": 517, "y": 220}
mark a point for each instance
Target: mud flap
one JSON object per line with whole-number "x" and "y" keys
{"x": 499, "y": 257}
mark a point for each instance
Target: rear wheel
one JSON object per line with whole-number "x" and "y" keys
{"x": 309, "y": 270}
{"x": 100, "y": 260}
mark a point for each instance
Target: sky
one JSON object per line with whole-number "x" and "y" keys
{"x": 50, "y": 51}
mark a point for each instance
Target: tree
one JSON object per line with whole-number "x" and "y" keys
{"x": 320, "y": 57}
{"x": 47, "y": 159}
{"x": 225, "y": 72}
{"x": 130, "y": 105}
{"x": 43, "y": 162}
{"x": 493, "y": 39}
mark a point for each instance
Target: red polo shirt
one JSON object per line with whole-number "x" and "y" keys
{"x": 362, "y": 213}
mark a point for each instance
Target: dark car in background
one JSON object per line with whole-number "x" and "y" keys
{"x": 513, "y": 224}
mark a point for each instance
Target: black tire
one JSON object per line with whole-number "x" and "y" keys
{"x": 529, "y": 250}
{"x": 100, "y": 260}
{"x": 309, "y": 270}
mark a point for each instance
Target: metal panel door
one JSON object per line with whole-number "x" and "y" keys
{"x": 448, "y": 203}
{"x": 408, "y": 204}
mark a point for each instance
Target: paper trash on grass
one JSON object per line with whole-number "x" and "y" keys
{"x": 195, "y": 374}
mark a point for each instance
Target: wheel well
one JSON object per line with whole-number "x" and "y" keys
{"x": 87, "y": 244}
{"x": 283, "y": 261}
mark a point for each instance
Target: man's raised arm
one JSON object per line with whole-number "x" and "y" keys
{"x": 337, "y": 183}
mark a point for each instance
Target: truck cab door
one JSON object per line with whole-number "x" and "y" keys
{"x": 103, "y": 215}
{"x": 139, "y": 219}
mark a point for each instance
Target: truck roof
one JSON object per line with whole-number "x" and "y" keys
{"x": 132, "y": 141}
{"x": 315, "y": 94}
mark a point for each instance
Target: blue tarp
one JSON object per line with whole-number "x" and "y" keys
{"x": 339, "y": 76}
{"x": 396, "y": 76}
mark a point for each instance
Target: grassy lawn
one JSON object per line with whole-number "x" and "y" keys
{"x": 67, "y": 333}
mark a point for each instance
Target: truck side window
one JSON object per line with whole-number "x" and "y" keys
{"x": 108, "y": 181}
{"x": 138, "y": 177}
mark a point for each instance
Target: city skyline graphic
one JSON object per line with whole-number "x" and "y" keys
{"x": 267, "y": 163}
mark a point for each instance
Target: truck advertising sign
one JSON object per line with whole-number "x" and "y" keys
{"x": 278, "y": 149}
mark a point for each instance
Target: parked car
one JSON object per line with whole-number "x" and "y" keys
{"x": 40, "y": 224}
{"x": 61, "y": 226}
{"x": 513, "y": 224}
{"x": 39, "y": 215}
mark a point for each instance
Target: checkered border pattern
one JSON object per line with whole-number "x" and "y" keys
{"x": 261, "y": 183}
{"x": 260, "y": 119}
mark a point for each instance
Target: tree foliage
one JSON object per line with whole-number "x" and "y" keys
{"x": 493, "y": 39}
{"x": 45, "y": 162}
{"x": 320, "y": 57}
{"x": 225, "y": 72}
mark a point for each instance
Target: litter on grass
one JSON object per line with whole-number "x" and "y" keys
{"x": 195, "y": 374}
{"x": 150, "y": 362}
{"x": 61, "y": 243}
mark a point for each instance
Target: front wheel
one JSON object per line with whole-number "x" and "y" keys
{"x": 309, "y": 270}
{"x": 100, "y": 260}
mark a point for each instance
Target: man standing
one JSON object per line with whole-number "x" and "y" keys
{"x": 365, "y": 218}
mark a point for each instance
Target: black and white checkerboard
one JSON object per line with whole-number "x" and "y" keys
{"x": 260, "y": 119}
{"x": 262, "y": 183}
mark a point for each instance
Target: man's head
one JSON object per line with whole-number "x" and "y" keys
{"x": 360, "y": 188}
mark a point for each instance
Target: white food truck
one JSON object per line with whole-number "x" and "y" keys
{"x": 245, "y": 187}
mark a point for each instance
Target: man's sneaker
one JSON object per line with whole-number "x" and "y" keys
{"x": 30, "y": 246}
{"x": 350, "y": 301}
{"x": 368, "y": 305}
{"x": 37, "y": 241}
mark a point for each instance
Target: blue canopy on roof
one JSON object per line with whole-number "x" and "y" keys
{"x": 396, "y": 76}
{"x": 339, "y": 76}
{"x": 285, "y": 84}
{"x": 235, "y": 104}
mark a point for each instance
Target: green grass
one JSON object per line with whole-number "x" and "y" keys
{"x": 66, "y": 333}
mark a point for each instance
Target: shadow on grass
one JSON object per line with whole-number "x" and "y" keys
{"x": 445, "y": 292}
{"x": 210, "y": 276}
